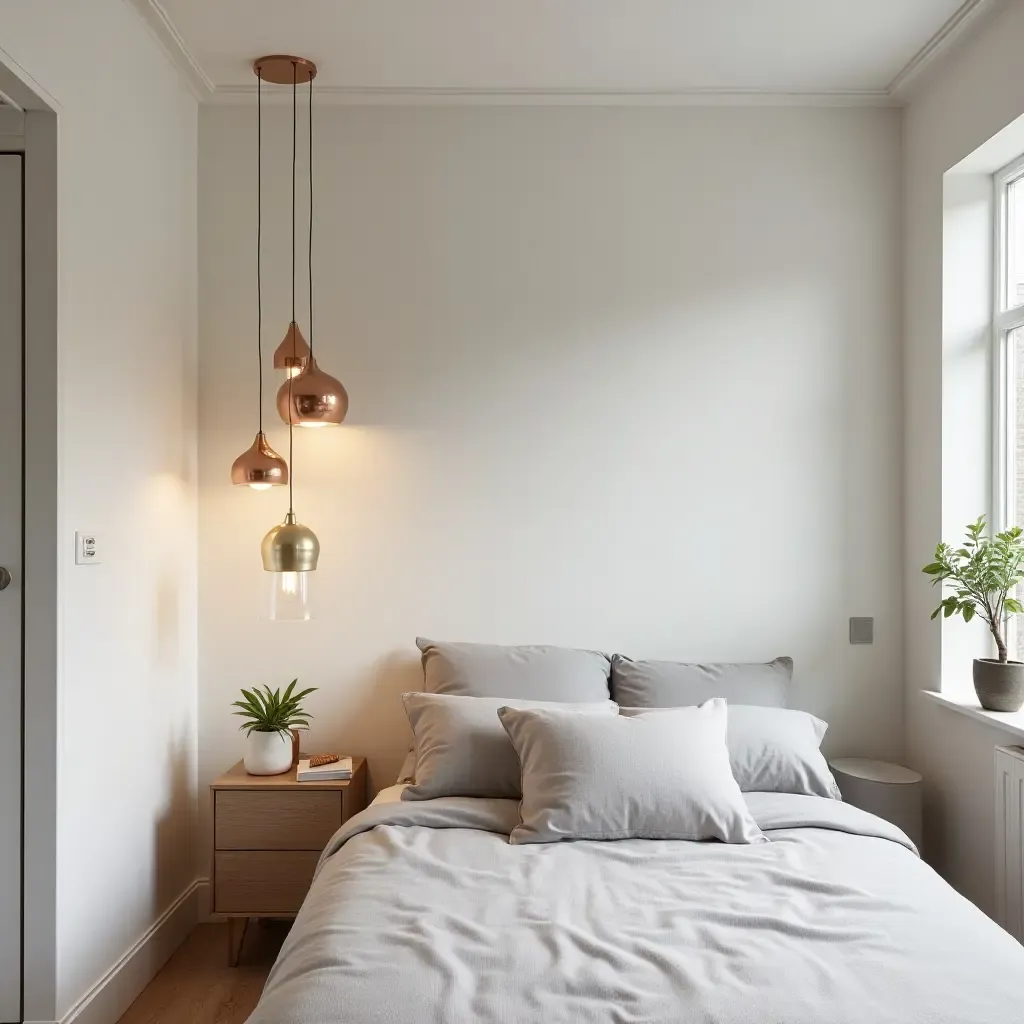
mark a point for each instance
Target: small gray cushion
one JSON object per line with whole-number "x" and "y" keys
{"x": 775, "y": 750}
{"x": 523, "y": 673}
{"x": 676, "y": 684}
{"x": 655, "y": 775}
{"x": 461, "y": 748}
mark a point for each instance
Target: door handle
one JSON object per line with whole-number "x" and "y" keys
{"x": 5, "y": 578}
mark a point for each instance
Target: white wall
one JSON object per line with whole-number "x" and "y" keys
{"x": 620, "y": 378}
{"x": 956, "y": 107}
{"x": 127, "y": 333}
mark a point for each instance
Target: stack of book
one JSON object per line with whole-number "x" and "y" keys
{"x": 335, "y": 770}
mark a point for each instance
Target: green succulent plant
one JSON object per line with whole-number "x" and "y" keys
{"x": 269, "y": 710}
{"x": 982, "y": 575}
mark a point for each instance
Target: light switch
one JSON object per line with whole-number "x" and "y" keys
{"x": 862, "y": 630}
{"x": 87, "y": 548}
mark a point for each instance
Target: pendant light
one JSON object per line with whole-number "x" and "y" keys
{"x": 292, "y": 353}
{"x": 311, "y": 398}
{"x": 259, "y": 467}
{"x": 289, "y": 551}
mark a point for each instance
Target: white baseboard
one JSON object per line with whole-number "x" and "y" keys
{"x": 108, "y": 999}
{"x": 204, "y": 902}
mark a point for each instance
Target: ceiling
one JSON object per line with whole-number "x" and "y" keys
{"x": 669, "y": 48}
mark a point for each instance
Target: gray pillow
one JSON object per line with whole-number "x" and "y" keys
{"x": 675, "y": 684}
{"x": 461, "y": 748}
{"x": 655, "y": 775}
{"x": 524, "y": 673}
{"x": 774, "y": 750}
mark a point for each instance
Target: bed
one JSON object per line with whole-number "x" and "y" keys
{"x": 498, "y": 888}
{"x": 424, "y": 912}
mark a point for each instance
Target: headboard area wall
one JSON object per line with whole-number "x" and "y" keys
{"x": 620, "y": 378}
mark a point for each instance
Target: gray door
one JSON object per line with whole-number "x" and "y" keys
{"x": 11, "y": 270}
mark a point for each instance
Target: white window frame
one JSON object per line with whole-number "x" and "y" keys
{"x": 1004, "y": 322}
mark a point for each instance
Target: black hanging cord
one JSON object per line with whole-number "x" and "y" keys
{"x": 259, "y": 240}
{"x": 291, "y": 427}
{"x": 310, "y": 257}
{"x": 291, "y": 473}
{"x": 295, "y": 88}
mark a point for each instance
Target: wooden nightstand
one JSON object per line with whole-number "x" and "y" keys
{"x": 268, "y": 834}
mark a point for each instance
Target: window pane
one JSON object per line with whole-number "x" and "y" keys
{"x": 1015, "y": 244}
{"x": 1015, "y": 342}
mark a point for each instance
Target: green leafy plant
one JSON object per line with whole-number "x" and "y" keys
{"x": 981, "y": 573}
{"x": 272, "y": 711}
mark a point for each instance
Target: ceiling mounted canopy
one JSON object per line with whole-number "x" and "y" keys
{"x": 284, "y": 69}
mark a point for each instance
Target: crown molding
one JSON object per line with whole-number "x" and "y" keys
{"x": 160, "y": 24}
{"x": 395, "y": 97}
{"x": 205, "y": 91}
{"x": 939, "y": 43}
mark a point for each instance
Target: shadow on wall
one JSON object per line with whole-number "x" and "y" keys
{"x": 378, "y": 712}
{"x": 174, "y": 832}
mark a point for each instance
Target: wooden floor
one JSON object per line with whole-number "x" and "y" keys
{"x": 196, "y": 986}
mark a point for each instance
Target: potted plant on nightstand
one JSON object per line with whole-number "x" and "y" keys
{"x": 982, "y": 574}
{"x": 269, "y": 718}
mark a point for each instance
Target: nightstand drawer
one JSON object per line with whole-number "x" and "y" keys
{"x": 262, "y": 882}
{"x": 246, "y": 820}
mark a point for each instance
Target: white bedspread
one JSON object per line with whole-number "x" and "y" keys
{"x": 423, "y": 912}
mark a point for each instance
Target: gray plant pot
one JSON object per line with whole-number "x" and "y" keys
{"x": 999, "y": 685}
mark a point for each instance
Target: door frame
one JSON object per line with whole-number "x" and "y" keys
{"x": 14, "y": 147}
{"x": 40, "y": 526}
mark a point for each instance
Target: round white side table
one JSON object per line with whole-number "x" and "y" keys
{"x": 888, "y": 790}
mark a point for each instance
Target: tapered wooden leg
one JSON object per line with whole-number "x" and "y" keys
{"x": 236, "y": 936}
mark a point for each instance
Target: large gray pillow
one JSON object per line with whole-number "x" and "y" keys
{"x": 675, "y": 684}
{"x": 524, "y": 673}
{"x": 775, "y": 750}
{"x": 461, "y": 747}
{"x": 655, "y": 775}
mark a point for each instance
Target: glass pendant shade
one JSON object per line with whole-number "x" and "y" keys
{"x": 293, "y": 352}
{"x": 290, "y": 553}
{"x": 259, "y": 466}
{"x": 289, "y": 597}
{"x": 312, "y": 398}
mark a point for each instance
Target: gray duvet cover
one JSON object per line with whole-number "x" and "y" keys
{"x": 423, "y": 912}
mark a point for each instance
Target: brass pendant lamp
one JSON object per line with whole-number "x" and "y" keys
{"x": 259, "y": 466}
{"x": 289, "y": 551}
{"x": 310, "y": 397}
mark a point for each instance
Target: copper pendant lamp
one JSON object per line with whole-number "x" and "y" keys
{"x": 259, "y": 466}
{"x": 311, "y": 397}
{"x": 290, "y": 551}
{"x": 293, "y": 352}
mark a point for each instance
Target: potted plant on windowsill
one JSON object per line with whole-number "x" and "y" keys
{"x": 270, "y": 717}
{"x": 982, "y": 575}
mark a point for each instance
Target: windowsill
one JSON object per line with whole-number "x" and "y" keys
{"x": 1011, "y": 722}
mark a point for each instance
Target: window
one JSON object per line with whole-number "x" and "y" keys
{"x": 1008, "y": 323}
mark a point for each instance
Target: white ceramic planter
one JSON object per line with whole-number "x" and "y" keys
{"x": 268, "y": 753}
